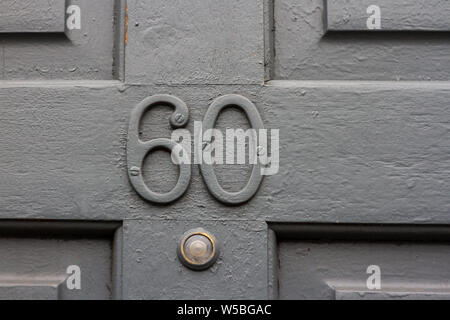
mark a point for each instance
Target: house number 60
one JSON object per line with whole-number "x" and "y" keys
{"x": 137, "y": 149}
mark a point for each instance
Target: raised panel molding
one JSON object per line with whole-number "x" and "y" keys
{"x": 37, "y": 16}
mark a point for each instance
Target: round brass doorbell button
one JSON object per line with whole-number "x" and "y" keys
{"x": 198, "y": 249}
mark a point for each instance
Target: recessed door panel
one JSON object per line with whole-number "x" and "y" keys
{"x": 33, "y": 16}
{"x": 387, "y": 15}
{"x": 42, "y": 261}
{"x": 360, "y": 40}
{"x": 64, "y": 40}
{"x": 23, "y": 290}
{"x": 364, "y": 262}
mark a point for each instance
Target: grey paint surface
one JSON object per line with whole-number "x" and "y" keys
{"x": 195, "y": 42}
{"x": 315, "y": 270}
{"x": 391, "y": 295}
{"x": 351, "y": 151}
{"x": 25, "y": 292}
{"x": 338, "y": 261}
{"x": 39, "y": 258}
{"x": 152, "y": 270}
{"x": 34, "y": 258}
{"x": 32, "y": 16}
{"x": 76, "y": 54}
{"x": 305, "y": 51}
{"x": 403, "y": 15}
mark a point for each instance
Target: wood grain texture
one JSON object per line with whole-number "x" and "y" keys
{"x": 355, "y": 152}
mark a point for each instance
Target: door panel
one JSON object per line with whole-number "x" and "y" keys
{"x": 40, "y": 260}
{"x": 423, "y": 294}
{"x": 305, "y": 50}
{"x": 318, "y": 261}
{"x": 36, "y": 16}
{"x": 38, "y": 45}
{"x": 353, "y": 151}
{"x": 327, "y": 270}
{"x": 405, "y": 15}
{"x": 42, "y": 290}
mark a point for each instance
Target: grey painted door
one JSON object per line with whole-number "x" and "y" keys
{"x": 358, "y": 90}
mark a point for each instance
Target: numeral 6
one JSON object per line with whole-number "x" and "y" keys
{"x": 137, "y": 150}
